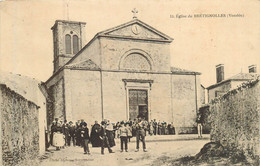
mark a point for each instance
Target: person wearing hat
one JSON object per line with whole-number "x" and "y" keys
{"x": 123, "y": 132}
{"x": 71, "y": 133}
{"x": 58, "y": 137}
{"x": 155, "y": 125}
{"x": 65, "y": 131}
{"x": 140, "y": 134}
{"x": 94, "y": 136}
{"x": 110, "y": 134}
{"x": 85, "y": 139}
{"x": 128, "y": 126}
{"x": 163, "y": 128}
{"x": 77, "y": 133}
{"x": 104, "y": 138}
{"x": 53, "y": 129}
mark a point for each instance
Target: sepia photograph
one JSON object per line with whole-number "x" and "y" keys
{"x": 129, "y": 83}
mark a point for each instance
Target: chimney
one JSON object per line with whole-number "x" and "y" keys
{"x": 252, "y": 69}
{"x": 220, "y": 72}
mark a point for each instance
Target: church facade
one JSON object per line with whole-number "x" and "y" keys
{"x": 122, "y": 73}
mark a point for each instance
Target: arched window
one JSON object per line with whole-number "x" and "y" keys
{"x": 136, "y": 61}
{"x": 75, "y": 44}
{"x": 68, "y": 44}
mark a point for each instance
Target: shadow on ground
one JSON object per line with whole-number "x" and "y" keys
{"x": 211, "y": 154}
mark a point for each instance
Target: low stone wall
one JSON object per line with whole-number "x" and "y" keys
{"x": 186, "y": 130}
{"x": 19, "y": 127}
{"x": 204, "y": 111}
{"x": 234, "y": 120}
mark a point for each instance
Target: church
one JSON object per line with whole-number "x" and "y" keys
{"x": 123, "y": 73}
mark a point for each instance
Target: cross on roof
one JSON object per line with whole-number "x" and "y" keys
{"x": 134, "y": 11}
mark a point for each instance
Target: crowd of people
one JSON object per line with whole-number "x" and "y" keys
{"x": 151, "y": 128}
{"x": 103, "y": 135}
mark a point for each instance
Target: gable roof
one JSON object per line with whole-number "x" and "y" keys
{"x": 23, "y": 85}
{"x": 244, "y": 76}
{"x": 176, "y": 70}
{"x": 110, "y": 32}
{"x": 87, "y": 64}
{"x": 237, "y": 77}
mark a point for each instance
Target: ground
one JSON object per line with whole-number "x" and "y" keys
{"x": 160, "y": 149}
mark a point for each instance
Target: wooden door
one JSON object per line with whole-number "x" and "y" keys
{"x": 138, "y": 104}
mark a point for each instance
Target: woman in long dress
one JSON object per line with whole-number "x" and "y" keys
{"x": 94, "y": 136}
{"x": 58, "y": 137}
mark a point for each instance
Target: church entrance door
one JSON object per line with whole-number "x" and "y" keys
{"x": 143, "y": 112}
{"x": 138, "y": 104}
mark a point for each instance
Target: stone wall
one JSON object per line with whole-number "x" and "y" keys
{"x": 115, "y": 94}
{"x": 224, "y": 87}
{"x": 113, "y": 53}
{"x": 19, "y": 127}
{"x": 91, "y": 51}
{"x": 56, "y": 108}
{"x": 171, "y": 97}
{"x": 184, "y": 102}
{"x": 202, "y": 95}
{"x": 234, "y": 119}
{"x": 83, "y": 95}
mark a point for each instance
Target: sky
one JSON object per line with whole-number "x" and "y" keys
{"x": 26, "y": 45}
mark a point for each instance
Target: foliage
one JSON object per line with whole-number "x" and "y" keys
{"x": 234, "y": 119}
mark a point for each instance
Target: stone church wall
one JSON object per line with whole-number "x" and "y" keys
{"x": 171, "y": 97}
{"x": 85, "y": 102}
{"x": 184, "y": 103}
{"x": 92, "y": 51}
{"x": 112, "y": 50}
{"x": 161, "y": 97}
{"x": 83, "y": 95}
{"x": 114, "y": 96}
{"x": 54, "y": 90}
{"x": 57, "y": 106}
{"x": 114, "y": 90}
{"x": 19, "y": 128}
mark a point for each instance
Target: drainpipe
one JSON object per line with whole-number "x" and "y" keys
{"x": 101, "y": 86}
{"x": 196, "y": 95}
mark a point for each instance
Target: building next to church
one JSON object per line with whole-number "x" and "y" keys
{"x": 224, "y": 85}
{"x": 122, "y": 73}
{"x": 22, "y": 117}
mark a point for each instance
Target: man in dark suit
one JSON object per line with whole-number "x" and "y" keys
{"x": 71, "y": 134}
{"x": 155, "y": 127}
{"x": 84, "y": 133}
{"x": 104, "y": 138}
{"x": 140, "y": 134}
{"x": 65, "y": 131}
